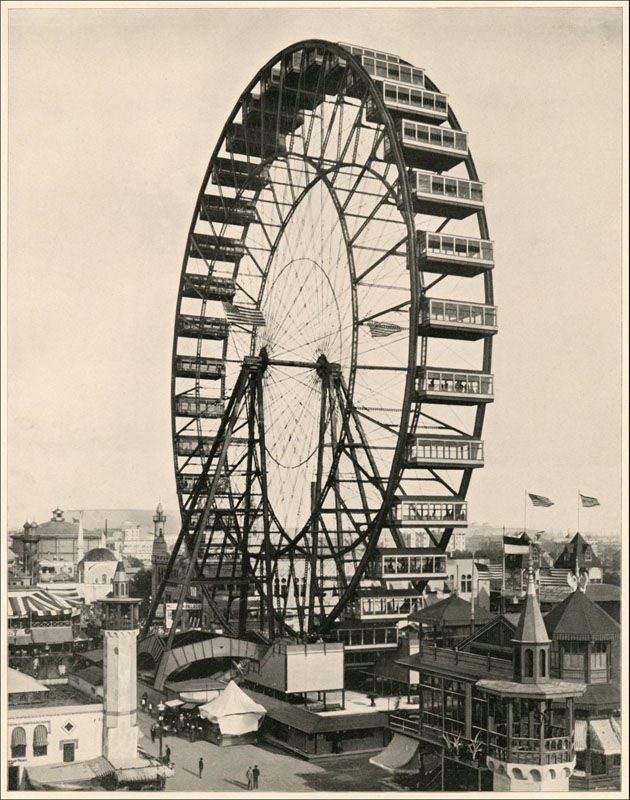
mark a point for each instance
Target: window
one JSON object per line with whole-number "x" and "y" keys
{"x": 18, "y": 743}
{"x": 529, "y": 664}
{"x": 543, "y": 663}
{"x": 103, "y": 578}
{"x": 587, "y": 554}
{"x": 40, "y": 741}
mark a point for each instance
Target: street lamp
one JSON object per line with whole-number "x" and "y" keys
{"x": 160, "y": 709}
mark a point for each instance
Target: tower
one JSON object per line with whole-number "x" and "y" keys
{"x": 80, "y": 548}
{"x": 120, "y": 630}
{"x": 159, "y": 518}
{"x": 531, "y": 719}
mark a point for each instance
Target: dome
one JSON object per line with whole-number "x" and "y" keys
{"x": 99, "y": 554}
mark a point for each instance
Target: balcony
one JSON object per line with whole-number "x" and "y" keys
{"x": 402, "y": 99}
{"x": 227, "y": 210}
{"x": 454, "y": 387}
{"x": 194, "y": 327}
{"x": 520, "y": 750}
{"x": 436, "y": 512}
{"x": 463, "y": 256}
{"x": 239, "y": 174}
{"x": 269, "y": 116}
{"x": 208, "y": 287}
{"x": 382, "y": 68}
{"x": 199, "y": 367}
{"x": 454, "y": 452}
{"x": 451, "y": 319}
{"x": 216, "y": 248}
{"x": 205, "y": 407}
{"x": 441, "y": 196}
{"x": 254, "y": 141}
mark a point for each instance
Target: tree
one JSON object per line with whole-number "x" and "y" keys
{"x": 141, "y": 586}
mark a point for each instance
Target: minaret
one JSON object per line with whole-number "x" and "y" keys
{"x": 159, "y": 518}
{"x": 531, "y": 642}
{"x": 120, "y": 629}
{"x": 79, "y": 553}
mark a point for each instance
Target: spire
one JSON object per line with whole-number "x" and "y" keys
{"x": 120, "y": 581}
{"x": 531, "y": 627}
{"x": 80, "y": 538}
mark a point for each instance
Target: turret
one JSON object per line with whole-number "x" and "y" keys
{"x": 531, "y": 642}
{"x": 159, "y": 518}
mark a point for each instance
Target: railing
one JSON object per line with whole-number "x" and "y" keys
{"x": 444, "y": 658}
{"x": 430, "y": 512}
{"x": 522, "y": 750}
{"x": 404, "y": 724}
{"x": 445, "y": 450}
{"x": 453, "y": 382}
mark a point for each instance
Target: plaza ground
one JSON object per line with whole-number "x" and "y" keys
{"x": 225, "y": 767}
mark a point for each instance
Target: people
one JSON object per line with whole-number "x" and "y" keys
{"x": 250, "y": 777}
{"x": 168, "y": 755}
{"x": 200, "y": 768}
{"x": 255, "y": 776}
{"x": 144, "y": 701}
{"x": 153, "y": 731}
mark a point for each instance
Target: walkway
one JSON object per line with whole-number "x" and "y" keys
{"x": 225, "y": 767}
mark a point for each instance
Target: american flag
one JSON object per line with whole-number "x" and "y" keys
{"x": 242, "y": 315}
{"x": 383, "y": 328}
{"x": 588, "y": 502}
{"x": 539, "y": 500}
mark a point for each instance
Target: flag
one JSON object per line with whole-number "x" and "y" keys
{"x": 242, "y": 315}
{"x": 513, "y": 545}
{"x": 539, "y": 500}
{"x": 378, "y": 329}
{"x": 588, "y": 502}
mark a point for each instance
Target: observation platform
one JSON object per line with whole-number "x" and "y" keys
{"x": 208, "y": 287}
{"x": 428, "y": 146}
{"x": 216, "y": 248}
{"x": 446, "y": 452}
{"x": 381, "y": 67}
{"x": 194, "y": 327}
{"x": 227, "y": 210}
{"x": 425, "y": 511}
{"x": 192, "y": 406}
{"x": 199, "y": 367}
{"x": 402, "y": 99}
{"x": 193, "y": 445}
{"x": 454, "y": 387}
{"x": 463, "y": 256}
{"x": 186, "y": 483}
{"x": 239, "y": 174}
{"x": 410, "y": 562}
{"x": 272, "y": 85}
{"x": 456, "y": 198}
{"x": 454, "y": 319}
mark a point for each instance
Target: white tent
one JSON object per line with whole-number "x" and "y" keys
{"x": 234, "y": 711}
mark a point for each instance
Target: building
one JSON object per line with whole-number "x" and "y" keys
{"x": 60, "y": 540}
{"x": 469, "y": 579}
{"x": 48, "y": 725}
{"x": 579, "y": 557}
{"x": 95, "y": 573}
{"x": 136, "y": 543}
{"x": 490, "y": 723}
{"x": 39, "y": 618}
{"x": 67, "y": 737}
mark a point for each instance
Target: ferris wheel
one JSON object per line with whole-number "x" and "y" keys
{"x": 333, "y": 338}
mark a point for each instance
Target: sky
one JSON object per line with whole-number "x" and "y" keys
{"x": 113, "y": 115}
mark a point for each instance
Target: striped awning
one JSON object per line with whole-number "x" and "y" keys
{"x": 38, "y": 603}
{"x": 18, "y": 737}
{"x": 604, "y": 738}
{"x": 40, "y": 736}
{"x": 69, "y": 595}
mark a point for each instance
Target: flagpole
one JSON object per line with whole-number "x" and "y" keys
{"x": 503, "y": 573}
{"x": 578, "y": 511}
{"x": 525, "y": 513}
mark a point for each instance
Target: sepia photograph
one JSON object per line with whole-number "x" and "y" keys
{"x": 314, "y": 407}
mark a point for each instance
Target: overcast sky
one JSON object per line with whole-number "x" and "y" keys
{"x": 113, "y": 115}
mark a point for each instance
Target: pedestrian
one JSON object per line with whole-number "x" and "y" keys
{"x": 250, "y": 777}
{"x": 200, "y": 768}
{"x": 255, "y": 775}
{"x": 153, "y": 733}
{"x": 168, "y": 755}
{"x": 151, "y": 709}
{"x": 143, "y": 702}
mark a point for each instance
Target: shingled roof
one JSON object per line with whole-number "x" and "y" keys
{"x": 453, "y": 610}
{"x": 578, "y": 617}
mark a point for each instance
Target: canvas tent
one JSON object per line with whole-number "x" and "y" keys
{"x": 233, "y": 711}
